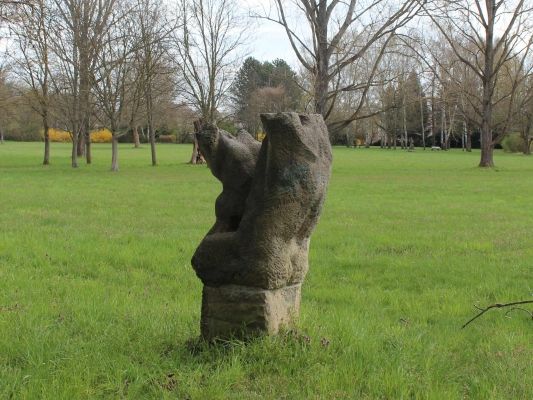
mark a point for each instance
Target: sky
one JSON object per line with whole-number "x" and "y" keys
{"x": 267, "y": 40}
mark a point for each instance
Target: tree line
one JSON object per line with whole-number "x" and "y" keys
{"x": 367, "y": 66}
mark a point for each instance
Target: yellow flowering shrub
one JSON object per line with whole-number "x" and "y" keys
{"x": 59, "y": 135}
{"x": 99, "y": 136}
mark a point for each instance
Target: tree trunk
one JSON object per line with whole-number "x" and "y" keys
{"x": 80, "y": 146}
{"x": 322, "y": 77}
{"x": 1, "y": 136}
{"x": 527, "y": 145}
{"x": 152, "y": 145}
{"x": 196, "y": 156}
{"x": 487, "y": 147}
{"x": 46, "y": 160}
{"x": 404, "y": 117}
{"x": 85, "y": 106}
{"x": 433, "y": 120}
{"x": 422, "y": 123}
{"x": 150, "y": 119}
{"x": 151, "y": 130}
{"x": 136, "y": 139}
{"x": 114, "y": 154}
{"x": 463, "y": 136}
{"x": 87, "y": 142}
{"x": 487, "y": 160}
{"x": 74, "y": 156}
{"x": 443, "y": 128}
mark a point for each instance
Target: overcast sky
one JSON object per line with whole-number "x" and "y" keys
{"x": 267, "y": 40}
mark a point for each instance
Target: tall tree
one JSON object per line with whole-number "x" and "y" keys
{"x": 524, "y": 121}
{"x": 153, "y": 59}
{"x": 207, "y": 46}
{"x": 264, "y": 87}
{"x": 116, "y": 79}
{"x": 79, "y": 31}
{"x": 32, "y": 59}
{"x": 469, "y": 27}
{"x": 338, "y": 34}
{"x": 7, "y": 95}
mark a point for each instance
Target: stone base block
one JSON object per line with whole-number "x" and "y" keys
{"x": 243, "y": 311}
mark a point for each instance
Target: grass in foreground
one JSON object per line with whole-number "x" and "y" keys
{"x": 98, "y": 299}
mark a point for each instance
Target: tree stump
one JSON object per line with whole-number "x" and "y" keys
{"x": 254, "y": 259}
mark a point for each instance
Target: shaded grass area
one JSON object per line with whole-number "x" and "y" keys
{"x": 98, "y": 299}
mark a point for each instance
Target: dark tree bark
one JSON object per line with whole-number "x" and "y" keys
{"x": 85, "y": 89}
{"x": 196, "y": 156}
{"x": 114, "y": 153}
{"x": 46, "y": 160}
{"x": 527, "y": 146}
{"x": 151, "y": 127}
{"x": 87, "y": 143}
{"x": 136, "y": 139}
{"x": 422, "y": 126}
{"x": 487, "y": 147}
{"x": 433, "y": 119}
{"x": 80, "y": 146}
{"x": 74, "y": 156}
{"x": 152, "y": 145}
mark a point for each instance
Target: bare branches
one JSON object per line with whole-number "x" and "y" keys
{"x": 499, "y": 305}
{"x": 33, "y": 60}
{"x": 207, "y": 48}
{"x": 471, "y": 33}
{"x": 337, "y": 35}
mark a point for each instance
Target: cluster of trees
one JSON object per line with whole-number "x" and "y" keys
{"x": 363, "y": 64}
{"x": 121, "y": 64}
{"x": 474, "y": 67}
{"x": 264, "y": 87}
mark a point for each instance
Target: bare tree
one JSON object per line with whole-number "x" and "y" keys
{"x": 32, "y": 58}
{"x": 338, "y": 34}
{"x": 153, "y": 59}
{"x": 116, "y": 78}
{"x": 469, "y": 27}
{"x": 7, "y": 103}
{"x": 524, "y": 111}
{"x": 207, "y": 47}
{"x": 79, "y": 29}
{"x": 10, "y": 9}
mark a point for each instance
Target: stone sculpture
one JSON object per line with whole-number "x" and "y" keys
{"x": 254, "y": 259}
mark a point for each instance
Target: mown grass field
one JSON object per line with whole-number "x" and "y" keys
{"x": 98, "y": 298}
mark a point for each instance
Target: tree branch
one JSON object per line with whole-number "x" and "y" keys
{"x": 497, "y": 305}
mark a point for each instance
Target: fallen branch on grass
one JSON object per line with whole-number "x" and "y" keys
{"x": 500, "y": 305}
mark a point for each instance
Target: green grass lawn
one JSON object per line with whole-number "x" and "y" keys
{"x": 98, "y": 298}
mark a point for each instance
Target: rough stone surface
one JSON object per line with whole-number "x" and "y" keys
{"x": 244, "y": 310}
{"x": 271, "y": 200}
